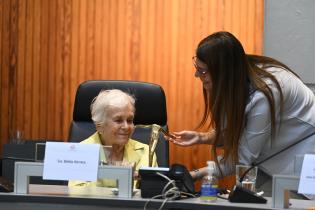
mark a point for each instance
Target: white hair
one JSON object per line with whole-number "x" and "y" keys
{"x": 107, "y": 98}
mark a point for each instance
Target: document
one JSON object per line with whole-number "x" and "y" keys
{"x": 71, "y": 161}
{"x": 307, "y": 178}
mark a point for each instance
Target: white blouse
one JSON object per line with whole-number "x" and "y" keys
{"x": 297, "y": 121}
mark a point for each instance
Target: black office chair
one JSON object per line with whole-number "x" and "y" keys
{"x": 150, "y": 109}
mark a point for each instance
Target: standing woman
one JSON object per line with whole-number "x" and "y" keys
{"x": 254, "y": 106}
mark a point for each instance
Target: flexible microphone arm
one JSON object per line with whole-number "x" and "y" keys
{"x": 243, "y": 195}
{"x": 154, "y": 138}
{"x": 274, "y": 154}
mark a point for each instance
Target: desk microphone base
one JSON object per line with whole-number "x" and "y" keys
{"x": 242, "y": 195}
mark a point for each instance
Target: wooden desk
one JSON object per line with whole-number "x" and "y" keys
{"x": 52, "y": 197}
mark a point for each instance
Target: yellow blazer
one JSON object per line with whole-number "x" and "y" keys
{"x": 135, "y": 152}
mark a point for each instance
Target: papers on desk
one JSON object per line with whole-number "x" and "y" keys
{"x": 65, "y": 161}
{"x": 307, "y": 178}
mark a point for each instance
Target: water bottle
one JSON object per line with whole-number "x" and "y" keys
{"x": 209, "y": 185}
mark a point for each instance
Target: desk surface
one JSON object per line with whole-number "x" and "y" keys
{"x": 48, "y": 197}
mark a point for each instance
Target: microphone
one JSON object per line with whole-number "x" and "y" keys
{"x": 240, "y": 194}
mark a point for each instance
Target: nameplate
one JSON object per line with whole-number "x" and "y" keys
{"x": 71, "y": 161}
{"x": 307, "y": 178}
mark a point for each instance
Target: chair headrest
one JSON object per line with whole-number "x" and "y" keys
{"x": 150, "y": 100}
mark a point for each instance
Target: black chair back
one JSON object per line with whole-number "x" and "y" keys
{"x": 150, "y": 109}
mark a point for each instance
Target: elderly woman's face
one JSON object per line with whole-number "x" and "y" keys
{"x": 118, "y": 126}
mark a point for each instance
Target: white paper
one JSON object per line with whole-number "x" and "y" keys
{"x": 71, "y": 161}
{"x": 307, "y": 178}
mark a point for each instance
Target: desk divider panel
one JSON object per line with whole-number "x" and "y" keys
{"x": 124, "y": 175}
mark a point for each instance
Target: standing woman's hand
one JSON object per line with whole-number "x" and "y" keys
{"x": 185, "y": 138}
{"x": 188, "y": 138}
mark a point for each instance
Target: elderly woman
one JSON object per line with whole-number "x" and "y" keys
{"x": 113, "y": 113}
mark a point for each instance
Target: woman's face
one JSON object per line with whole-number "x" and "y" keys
{"x": 203, "y": 73}
{"x": 118, "y": 126}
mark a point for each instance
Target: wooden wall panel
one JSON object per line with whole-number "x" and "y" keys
{"x": 19, "y": 118}
{"x": 5, "y": 117}
{"x": 12, "y": 61}
{"x": 47, "y": 48}
{"x": 43, "y": 65}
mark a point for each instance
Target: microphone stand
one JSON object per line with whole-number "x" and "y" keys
{"x": 154, "y": 138}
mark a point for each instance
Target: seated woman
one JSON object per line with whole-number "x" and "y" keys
{"x": 113, "y": 113}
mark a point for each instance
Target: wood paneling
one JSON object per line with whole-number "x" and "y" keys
{"x": 48, "y": 47}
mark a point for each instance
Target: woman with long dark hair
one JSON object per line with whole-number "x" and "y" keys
{"x": 254, "y": 106}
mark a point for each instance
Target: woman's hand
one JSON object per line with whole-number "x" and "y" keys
{"x": 188, "y": 138}
{"x": 185, "y": 138}
{"x": 199, "y": 173}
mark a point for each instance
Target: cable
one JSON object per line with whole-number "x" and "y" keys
{"x": 177, "y": 193}
{"x": 167, "y": 194}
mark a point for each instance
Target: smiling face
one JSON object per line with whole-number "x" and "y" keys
{"x": 112, "y": 112}
{"x": 118, "y": 125}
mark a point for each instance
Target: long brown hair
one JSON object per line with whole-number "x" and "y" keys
{"x": 233, "y": 74}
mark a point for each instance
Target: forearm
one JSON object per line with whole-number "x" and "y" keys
{"x": 199, "y": 173}
{"x": 207, "y": 137}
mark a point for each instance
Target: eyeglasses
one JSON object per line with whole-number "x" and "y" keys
{"x": 198, "y": 69}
